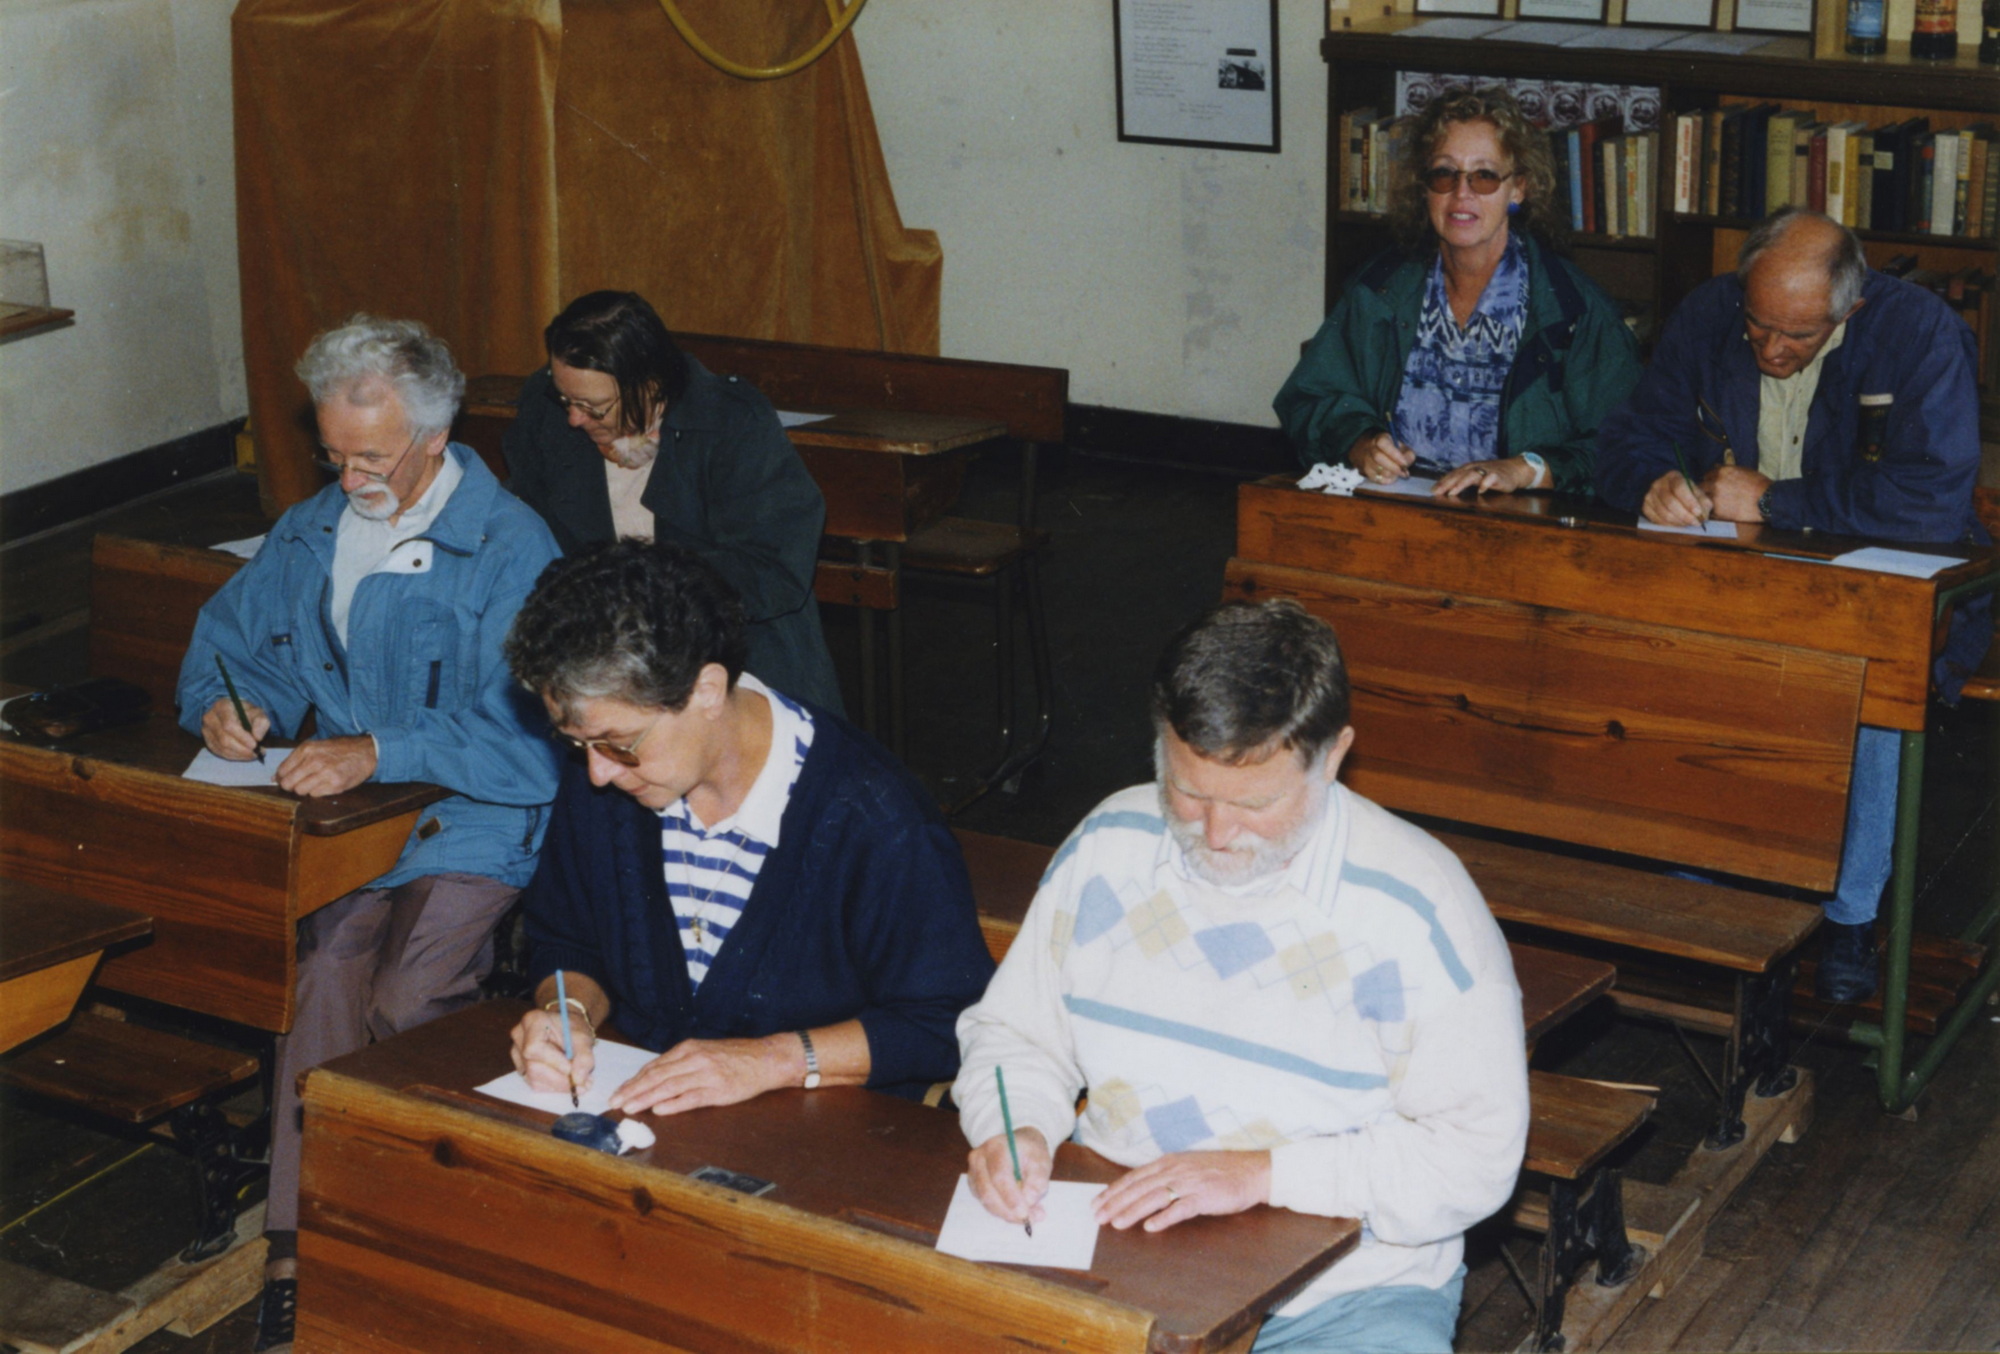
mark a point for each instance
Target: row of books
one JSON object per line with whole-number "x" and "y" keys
{"x": 1750, "y": 161}
{"x": 1606, "y": 177}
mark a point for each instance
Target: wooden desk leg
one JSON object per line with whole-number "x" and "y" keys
{"x": 893, "y": 559}
{"x": 864, "y": 555}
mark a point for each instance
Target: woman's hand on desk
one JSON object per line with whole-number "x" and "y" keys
{"x": 1186, "y": 1185}
{"x": 224, "y": 734}
{"x": 1488, "y": 477}
{"x": 991, "y": 1169}
{"x": 699, "y": 1072}
{"x": 1380, "y": 458}
{"x": 538, "y": 1050}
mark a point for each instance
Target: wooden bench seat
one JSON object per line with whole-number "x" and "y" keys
{"x": 49, "y": 946}
{"x": 136, "y": 1075}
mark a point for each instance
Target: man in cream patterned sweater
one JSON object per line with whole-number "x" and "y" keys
{"x": 1271, "y": 990}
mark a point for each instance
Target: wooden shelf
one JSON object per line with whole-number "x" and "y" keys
{"x": 18, "y": 320}
{"x": 1915, "y": 239}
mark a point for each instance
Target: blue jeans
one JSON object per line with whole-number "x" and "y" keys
{"x": 1865, "y": 858}
{"x": 1399, "y": 1320}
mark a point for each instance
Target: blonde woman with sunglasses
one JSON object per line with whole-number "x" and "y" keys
{"x": 1472, "y": 353}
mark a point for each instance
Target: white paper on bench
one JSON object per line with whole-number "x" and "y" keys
{"x": 616, "y": 1065}
{"x": 210, "y": 769}
{"x": 1065, "y": 1238}
{"x": 1722, "y": 531}
{"x": 1883, "y": 560}
{"x": 1410, "y": 486}
{"x": 792, "y": 418}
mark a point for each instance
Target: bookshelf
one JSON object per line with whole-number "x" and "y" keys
{"x": 1651, "y": 274}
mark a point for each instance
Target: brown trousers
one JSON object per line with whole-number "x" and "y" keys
{"x": 372, "y": 964}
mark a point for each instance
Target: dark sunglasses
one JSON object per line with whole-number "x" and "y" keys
{"x": 1485, "y": 182}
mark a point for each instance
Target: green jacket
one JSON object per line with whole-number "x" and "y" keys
{"x": 1577, "y": 362}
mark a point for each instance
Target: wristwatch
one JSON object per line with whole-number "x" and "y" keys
{"x": 811, "y": 1082}
{"x": 1539, "y": 466}
{"x": 1764, "y": 505}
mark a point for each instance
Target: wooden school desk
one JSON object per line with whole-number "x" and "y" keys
{"x": 49, "y": 944}
{"x": 1540, "y": 665}
{"x": 224, "y": 873}
{"x": 435, "y": 1219}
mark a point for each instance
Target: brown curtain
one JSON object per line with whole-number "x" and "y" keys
{"x": 476, "y": 163}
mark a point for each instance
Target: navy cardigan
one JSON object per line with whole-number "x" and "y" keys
{"x": 863, "y": 911}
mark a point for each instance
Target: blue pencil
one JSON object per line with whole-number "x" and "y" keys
{"x": 569, "y": 1044}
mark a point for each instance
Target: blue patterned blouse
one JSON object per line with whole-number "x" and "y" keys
{"x": 1449, "y": 408}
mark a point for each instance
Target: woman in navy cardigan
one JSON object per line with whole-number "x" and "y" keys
{"x": 738, "y": 879}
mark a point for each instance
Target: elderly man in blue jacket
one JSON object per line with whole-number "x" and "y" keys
{"x": 379, "y": 607}
{"x": 1807, "y": 390}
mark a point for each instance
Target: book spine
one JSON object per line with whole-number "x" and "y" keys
{"x": 1730, "y": 189}
{"x": 1961, "y": 184}
{"x": 1777, "y": 164}
{"x": 1816, "y": 172}
{"x": 1711, "y": 163}
{"x": 1686, "y": 148}
{"x": 1834, "y": 195}
{"x": 1864, "y": 181}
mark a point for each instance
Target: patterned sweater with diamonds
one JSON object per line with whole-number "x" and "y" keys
{"x": 1355, "y": 1015}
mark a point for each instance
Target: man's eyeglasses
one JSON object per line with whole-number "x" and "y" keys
{"x": 628, "y": 755}
{"x": 596, "y": 413}
{"x": 343, "y": 465}
{"x": 1444, "y": 179}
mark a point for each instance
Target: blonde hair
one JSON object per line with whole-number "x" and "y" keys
{"x": 1524, "y": 145}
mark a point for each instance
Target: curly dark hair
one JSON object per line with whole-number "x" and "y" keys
{"x": 1524, "y": 144}
{"x": 626, "y": 620}
{"x": 1245, "y": 675}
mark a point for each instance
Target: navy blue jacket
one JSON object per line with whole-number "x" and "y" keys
{"x": 1903, "y": 342}
{"x": 728, "y": 485}
{"x": 863, "y": 911}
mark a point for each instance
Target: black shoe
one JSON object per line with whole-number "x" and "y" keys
{"x": 1846, "y": 963}
{"x": 277, "y": 1315}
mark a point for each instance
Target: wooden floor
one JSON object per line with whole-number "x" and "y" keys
{"x": 1871, "y": 1233}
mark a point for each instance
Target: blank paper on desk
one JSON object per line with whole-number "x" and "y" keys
{"x": 1066, "y": 1238}
{"x": 210, "y": 769}
{"x": 616, "y": 1064}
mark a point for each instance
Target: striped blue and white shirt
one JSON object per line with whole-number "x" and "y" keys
{"x": 710, "y": 869}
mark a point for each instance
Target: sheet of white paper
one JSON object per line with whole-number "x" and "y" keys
{"x": 616, "y": 1064}
{"x": 1412, "y": 486}
{"x": 1065, "y": 1239}
{"x": 1727, "y": 44}
{"x": 1626, "y": 39}
{"x": 1461, "y": 27}
{"x": 1721, "y": 531}
{"x": 1886, "y": 561}
{"x": 210, "y": 769}
{"x": 247, "y": 547}
{"x": 792, "y": 418}
{"x": 1538, "y": 31}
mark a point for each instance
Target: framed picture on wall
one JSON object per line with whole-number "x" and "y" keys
{"x": 1774, "y": 16}
{"x": 1486, "y": 8}
{"x": 1671, "y": 13}
{"x": 1583, "y": 11}
{"x": 1198, "y": 75}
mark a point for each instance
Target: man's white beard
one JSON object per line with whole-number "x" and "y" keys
{"x": 634, "y": 451}
{"x": 377, "y": 503}
{"x": 1249, "y": 857}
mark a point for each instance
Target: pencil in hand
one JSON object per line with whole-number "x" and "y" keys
{"x": 237, "y": 701}
{"x": 1007, "y": 1118}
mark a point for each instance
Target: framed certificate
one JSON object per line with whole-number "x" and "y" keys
{"x": 1585, "y": 11}
{"x": 1774, "y": 16}
{"x": 1671, "y": 13}
{"x": 1198, "y": 74}
{"x": 1487, "y": 8}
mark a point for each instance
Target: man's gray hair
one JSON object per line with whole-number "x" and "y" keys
{"x": 415, "y": 363}
{"x": 1846, "y": 262}
{"x": 1245, "y": 678}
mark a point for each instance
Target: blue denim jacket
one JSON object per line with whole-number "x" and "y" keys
{"x": 422, "y": 671}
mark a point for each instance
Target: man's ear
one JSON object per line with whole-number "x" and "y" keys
{"x": 1336, "y": 753}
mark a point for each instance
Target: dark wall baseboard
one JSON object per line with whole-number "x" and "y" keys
{"x": 1187, "y": 443}
{"x": 72, "y": 497}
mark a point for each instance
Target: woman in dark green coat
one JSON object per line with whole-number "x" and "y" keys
{"x": 623, "y": 434}
{"x": 1473, "y": 352}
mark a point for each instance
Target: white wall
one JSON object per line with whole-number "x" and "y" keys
{"x": 116, "y": 154}
{"x": 1166, "y": 279}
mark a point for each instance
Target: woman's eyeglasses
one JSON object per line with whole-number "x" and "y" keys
{"x": 1485, "y": 182}
{"x": 627, "y": 755}
{"x": 596, "y": 413}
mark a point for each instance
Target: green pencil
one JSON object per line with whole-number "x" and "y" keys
{"x": 1007, "y": 1118}
{"x": 1681, "y": 462}
{"x": 237, "y": 701}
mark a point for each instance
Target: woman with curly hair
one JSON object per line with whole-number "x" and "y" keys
{"x": 1473, "y": 351}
